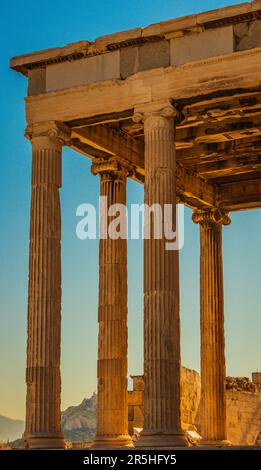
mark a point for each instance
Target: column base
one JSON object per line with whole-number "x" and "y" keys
{"x": 44, "y": 440}
{"x": 110, "y": 442}
{"x": 160, "y": 440}
{"x": 214, "y": 442}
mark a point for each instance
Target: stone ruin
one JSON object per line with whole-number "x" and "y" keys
{"x": 243, "y": 400}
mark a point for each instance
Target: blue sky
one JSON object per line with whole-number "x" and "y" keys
{"x": 26, "y": 27}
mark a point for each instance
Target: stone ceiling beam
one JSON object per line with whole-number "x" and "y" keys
{"x": 205, "y": 153}
{"x": 221, "y": 132}
{"x": 193, "y": 190}
{"x": 203, "y": 77}
{"x": 241, "y": 195}
{"x": 110, "y": 141}
{"x": 232, "y": 165}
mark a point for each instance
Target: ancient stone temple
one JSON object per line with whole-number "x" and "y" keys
{"x": 175, "y": 106}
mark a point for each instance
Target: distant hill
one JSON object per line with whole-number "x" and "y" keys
{"x": 10, "y": 429}
{"x": 78, "y": 423}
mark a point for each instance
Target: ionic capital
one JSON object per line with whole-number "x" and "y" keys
{"x": 113, "y": 167}
{"x": 158, "y": 113}
{"x": 211, "y": 217}
{"x": 54, "y": 130}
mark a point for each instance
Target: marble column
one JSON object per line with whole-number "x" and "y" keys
{"x": 213, "y": 367}
{"x": 162, "y": 422}
{"x": 112, "y": 412}
{"x": 43, "y": 421}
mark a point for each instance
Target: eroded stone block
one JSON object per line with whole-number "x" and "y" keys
{"x": 148, "y": 56}
{"x": 83, "y": 71}
{"x": 138, "y": 382}
{"x": 153, "y": 55}
{"x": 129, "y": 61}
{"x": 247, "y": 35}
{"x": 138, "y": 416}
{"x": 130, "y": 413}
{"x": 210, "y": 43}
{"x": 135, "y": 398}
{"x": 36, "y": 81}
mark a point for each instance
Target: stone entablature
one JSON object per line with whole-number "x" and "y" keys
{"x": 123, "y": 54}
{"x": 164, "y": 44}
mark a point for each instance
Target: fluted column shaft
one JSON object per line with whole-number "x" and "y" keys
{"x": 112, "y": 411}
{"x": 162, "y": 424}
{"x": 213, "y": 368}
{"x": 43, "y": 422}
